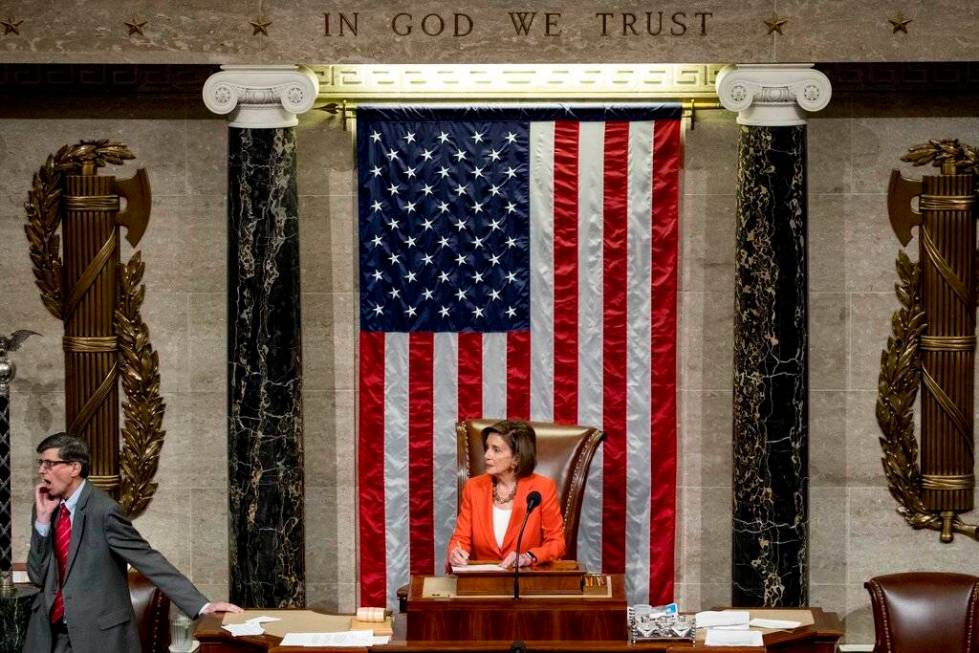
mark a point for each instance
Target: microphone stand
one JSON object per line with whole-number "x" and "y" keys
{"x": 516, "y": 562}
{"x": 533, "y": 500}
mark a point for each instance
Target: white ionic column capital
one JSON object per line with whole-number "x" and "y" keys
{"x": 773, "y": 95}
{"x": 261, "y": 97}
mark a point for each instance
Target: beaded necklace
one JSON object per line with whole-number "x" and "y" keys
{"x": 507, "y": 499}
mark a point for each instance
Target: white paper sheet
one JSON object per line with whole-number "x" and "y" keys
{"x": 262, "y": 619}
{"x": 240, "y": 630}
{"x": 775, "y": 624}
{"x": 711, "y": 618}
{"x": 361, "y": 638}
{"x": 462, "y": 569}
{"x": 734, "y": 638}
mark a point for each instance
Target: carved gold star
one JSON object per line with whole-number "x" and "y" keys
{"x": 11, "y": 26}
{"x": 775, "y": 24}
{"x": 900, "y": 24}
{"x": 135, "y": 26}
{"x": 260, "y": 26}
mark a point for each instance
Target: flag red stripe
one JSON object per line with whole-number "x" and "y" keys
{"x": 518, "y": 375}
{"x": 662, "y": 523}
{"x": 420, "y": 457}
{"x": 614, "y": 325}
{"x": 470, "y": 380}
{"x": 370, "y": 470}
{"x": 566, "y": 271}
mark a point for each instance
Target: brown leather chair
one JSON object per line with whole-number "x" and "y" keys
{"x": 564, "y": 453}
{"x": 152, "y": 608}
{"x": 925, "y": 612}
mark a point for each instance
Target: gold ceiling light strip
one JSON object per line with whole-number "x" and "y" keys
{"x": 344, "y": 86}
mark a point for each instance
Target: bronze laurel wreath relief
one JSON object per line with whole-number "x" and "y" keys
{"x": 99, "y": 299}
{"x": 932, "y": 344}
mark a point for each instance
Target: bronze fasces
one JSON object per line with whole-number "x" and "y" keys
{"x": 933, "y": 343}
{"x": 84, "y": 283}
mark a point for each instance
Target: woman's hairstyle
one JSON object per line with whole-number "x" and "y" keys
{"x": 521, "y": 439}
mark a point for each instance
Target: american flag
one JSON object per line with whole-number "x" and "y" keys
{"x": 517, "y": 262}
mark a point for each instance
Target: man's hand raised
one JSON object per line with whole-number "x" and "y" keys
{"x": 44, "y": 503}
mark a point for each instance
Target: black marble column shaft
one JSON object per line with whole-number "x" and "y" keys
{"x": 5, "y": 474}
{"x": 15, "y": 613}
{"x": 771, "y": 478}
{"x": 265, "y": 425}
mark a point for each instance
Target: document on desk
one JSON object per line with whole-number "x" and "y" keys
{"x": 733, "y": 638}
{"x": 466, "y": 569}
{"x": 712, "y": 618}
{"x": 251, "y": 627}
{"x": 241, "y": 630}
{"x": 361, "y": 638}
{"x": 775, "y": 624}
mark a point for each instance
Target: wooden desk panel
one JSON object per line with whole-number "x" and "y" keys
{"x": 821, "y": 637}
{"x": 567, "y": 618}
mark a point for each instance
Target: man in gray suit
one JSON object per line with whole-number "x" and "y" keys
{"x": 80, "y": 545}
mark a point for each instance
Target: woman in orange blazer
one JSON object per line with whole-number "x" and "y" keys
{"x": 494, "y": 504}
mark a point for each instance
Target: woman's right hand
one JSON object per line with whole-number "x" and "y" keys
{"x": 459, "y": 557}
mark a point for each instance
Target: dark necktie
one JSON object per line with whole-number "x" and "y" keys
{"x": 62, "y": 538}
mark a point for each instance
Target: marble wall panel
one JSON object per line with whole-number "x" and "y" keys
{"x": 863, "y": 453}
{"x": 827, "y": 256}
{"x": 209, "y": 536}
{"x": 840, "y": 30}
{"x": 830, "y": 169}
{"x": 870, "y": 324}
{"x": 704, "y": 333}
{"x": 577, "y": 34}
{"x": 870, "y": 246}
{"x": 185, "y": 30}
{"x": 885, "y": 127}
{"x": 705, "y": 437}
{"x": 198, "y": 31}
{"x": 710, "y": 150}
{"x": 327, "y": 243}
{"x": 828, "y": 428}
{"x": 707, "y": 237}
{"x": 827, "y": 535}
{"x": 167, "y": 524}
{"x": 828, "y": 340}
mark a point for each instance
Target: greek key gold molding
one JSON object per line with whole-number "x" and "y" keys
{"x": 360, "y": 82}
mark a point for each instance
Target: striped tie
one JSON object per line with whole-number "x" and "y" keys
{"x": 62, "y": 537}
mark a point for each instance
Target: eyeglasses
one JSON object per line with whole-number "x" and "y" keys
{"x": 48, "y": 464}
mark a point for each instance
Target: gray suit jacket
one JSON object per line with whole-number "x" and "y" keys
{"x": 98, "y": 609}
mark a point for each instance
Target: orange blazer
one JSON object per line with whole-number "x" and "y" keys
{"x": 544, "y": 535}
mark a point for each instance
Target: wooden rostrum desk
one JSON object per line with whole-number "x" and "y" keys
{"x": 490, "y": 624}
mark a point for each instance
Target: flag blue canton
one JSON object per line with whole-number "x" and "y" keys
{"x": 444, "y": 225}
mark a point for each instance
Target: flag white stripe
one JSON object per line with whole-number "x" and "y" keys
{"x": 445, "y": 414}
{"x": 542, "y": 271}
{"x": 494, "y": 374}
{"x": 591, "y": 204}
{"x": 396, "y": 463}
{"x": 638, "y": 371}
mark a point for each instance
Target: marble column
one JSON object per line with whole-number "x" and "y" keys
{"x": 265, "y": 417}
{"x": 771, "y": 385}
{"x": 15, "y": 601}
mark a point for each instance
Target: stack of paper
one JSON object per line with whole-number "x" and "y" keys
{"x": 731, "y": 619}
{"x": 716, "y": 637}
{"x": 728, "y": 628}
{"x": 251, "y": 627}
{"x": 775, "y": 624}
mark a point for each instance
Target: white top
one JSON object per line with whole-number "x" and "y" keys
{"x": 501, "y": 519}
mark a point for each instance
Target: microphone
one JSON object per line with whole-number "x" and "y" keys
{"x": 533, "y": 500}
